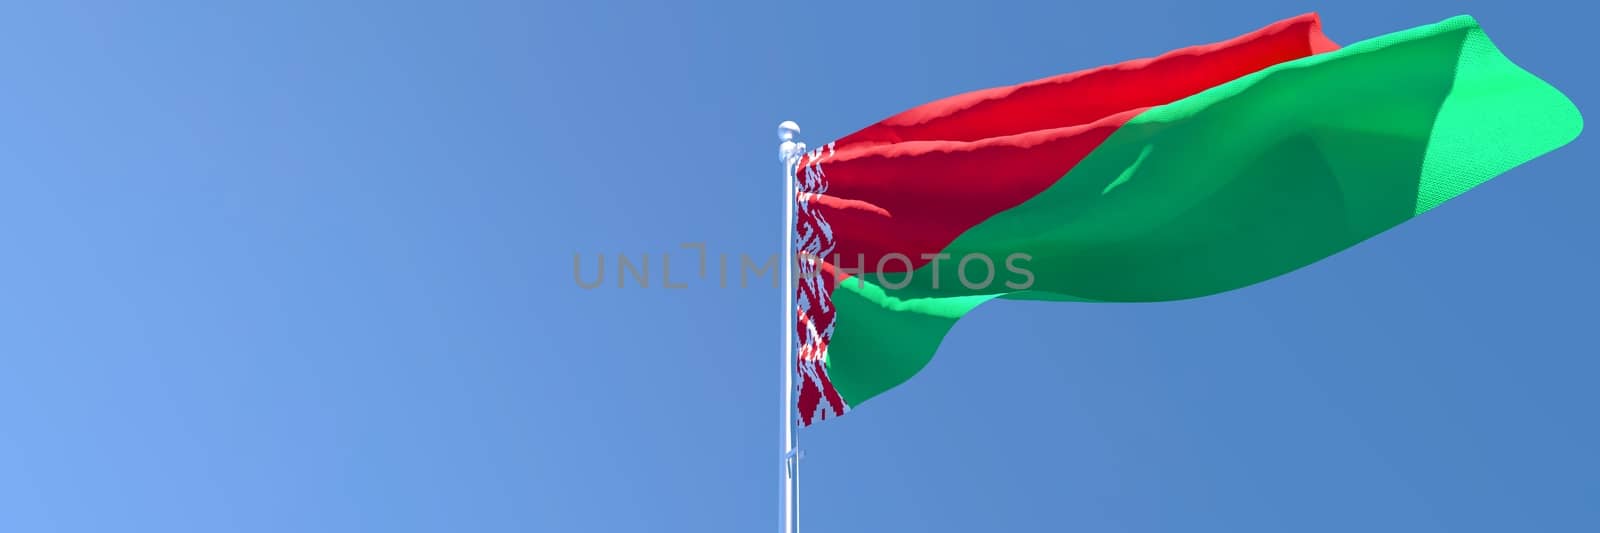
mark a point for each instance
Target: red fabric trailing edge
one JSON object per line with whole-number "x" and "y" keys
{"x": 1088, "y": 95}
{"x": 911, "y": 183}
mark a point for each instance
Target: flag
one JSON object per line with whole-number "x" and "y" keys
{"x": 1199, "y": 171}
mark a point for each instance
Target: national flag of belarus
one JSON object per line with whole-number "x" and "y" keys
{"x": 1200, "y": 171}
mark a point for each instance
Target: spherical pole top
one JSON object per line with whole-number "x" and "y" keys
{"x": 790, "y": 148}
{"x": 788, "y": 130}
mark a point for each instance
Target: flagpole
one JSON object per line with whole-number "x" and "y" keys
{"x": 789, "y": 151}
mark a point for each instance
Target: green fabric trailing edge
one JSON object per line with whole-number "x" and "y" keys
{"x": 1482, "y": 131}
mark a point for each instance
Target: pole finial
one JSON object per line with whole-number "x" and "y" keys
{"x": 788, "y": 130}
{"x": 790, "y": 149}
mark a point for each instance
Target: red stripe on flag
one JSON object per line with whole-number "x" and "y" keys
{"x": 912, "y": 183}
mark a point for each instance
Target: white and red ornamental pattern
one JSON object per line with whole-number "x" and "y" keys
{"x": 813, "y": 241}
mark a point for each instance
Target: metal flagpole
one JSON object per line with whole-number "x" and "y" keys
{"x": 789, "y": 151}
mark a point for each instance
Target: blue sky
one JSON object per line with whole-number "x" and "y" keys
{"x": 306, "y": 266}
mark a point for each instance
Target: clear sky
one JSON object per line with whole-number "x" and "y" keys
{"x": 307, "y": 266}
